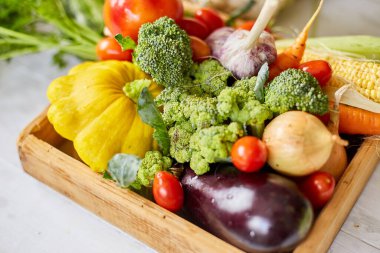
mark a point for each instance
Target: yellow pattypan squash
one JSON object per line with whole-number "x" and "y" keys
{"x": 90, "y": 108}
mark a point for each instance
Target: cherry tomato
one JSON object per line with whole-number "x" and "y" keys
{"x": 109, "y": 49}
{"x": 249, "y": 24}
{"x": 194, "y": 27}
{"x": 201, "y": 51}
{"x": 318, "y": 188}
{"x": 209, "y": 17}
{"x": 167, "y": 191}
{"x": 249, "y": 154}
{"x": 320, "y": 69}
{"x": 126, "y": 16}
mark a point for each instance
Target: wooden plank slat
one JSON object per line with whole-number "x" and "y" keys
{"x": 155, "y": 226}
{"x": 350, "y": 244}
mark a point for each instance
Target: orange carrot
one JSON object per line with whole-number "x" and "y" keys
{"x": 353, "y": 120}
{"x": 292, "y": 56}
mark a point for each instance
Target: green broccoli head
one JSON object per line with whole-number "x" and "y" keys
{"x": 178, "y": 94}
{"x": 164, "y": 52}
{"x": 211, "y": 76}
{"x": 201, "y": 112}
{"x": 180, "y": 136}
{"x": 238, "y": 103}
{"x": 212, "y": 144}
{"x": 246, "y": 85}
{"x": 152, "y": 163}
{"x": 181, "y": 105}
{"x": 173, "y": 112}
{"x": 295, "y": 89}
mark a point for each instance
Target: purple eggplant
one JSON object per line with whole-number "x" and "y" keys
{"x": 257, "y": 212}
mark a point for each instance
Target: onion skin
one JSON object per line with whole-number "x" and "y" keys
{"x": 337, "y": 162}
{"x": 298, "y": 143}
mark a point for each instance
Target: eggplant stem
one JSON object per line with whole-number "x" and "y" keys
{"x": 336, "y": 139}
{"x": 266, "y": 13}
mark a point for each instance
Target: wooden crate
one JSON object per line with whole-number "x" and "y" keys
{"x": 52, "y": 160}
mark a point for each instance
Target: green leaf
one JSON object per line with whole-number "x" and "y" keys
{"x": 257, "y": 130}
{"x": 107, "y": 175}
{"x": 123, "y": 169}
{"x": 150, "y": 115}
{"x": 262, "y": 78}
{"x": 126, "y": 43}
{"x": 30, "y": 26}
{"x": 58, "y": 59}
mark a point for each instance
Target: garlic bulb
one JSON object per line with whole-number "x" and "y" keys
{"x": 247, "y": 63}
{"x": 217, "y": 39}
{"x": 245, "y": 52}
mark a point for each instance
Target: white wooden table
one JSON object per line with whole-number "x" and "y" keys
{"x": 34, "y": 218}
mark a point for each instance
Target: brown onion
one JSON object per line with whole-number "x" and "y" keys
{"x": 298, "y": 143}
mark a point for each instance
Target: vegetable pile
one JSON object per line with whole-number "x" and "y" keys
{"x": 208, "y": 118}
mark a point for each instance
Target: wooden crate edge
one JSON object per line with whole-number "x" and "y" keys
{"x": 348, "y": 190}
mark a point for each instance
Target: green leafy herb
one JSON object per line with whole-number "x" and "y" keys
{"x": 30, "y": 26}
{"x": 150, "y": 114}
{"x": 126, "y": 43}
{"x": 123, "y": 169}
{"x": 107, "y": 175}
{"x": 262, "y": 78}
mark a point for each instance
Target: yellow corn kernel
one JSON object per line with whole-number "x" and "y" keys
{"x": 363, "y": 74}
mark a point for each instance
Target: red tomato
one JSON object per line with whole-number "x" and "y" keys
{"x": 194, "y": 27}
{"x": 320, "y": 69}
{"x": 201, "y": 51}
{"x": 167, "y": 191}
{"x": 249, "y": 154}
{"x": 209, "y": 17}
{"x": 249, "y": 24}
{"x": 126, "y": 16}
{"x": 318, "y": 188}
{"x": 109, "y": 49}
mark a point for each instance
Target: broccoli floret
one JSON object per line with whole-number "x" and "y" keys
{"x": 295, "y": 89}
{"x": 246, "y": 85}
{"x": 178, "y": 94}
{"x": 164, "y": 52}
{"x": 199, "y": 110}
{"x": 180, "y": 136}
{"x": 238, "y": 103}
{"x": 212, "y": 144}
{"x": 152, "y": 163}
{"x": 211, "y": 76}
{"x": 172, "y": 113}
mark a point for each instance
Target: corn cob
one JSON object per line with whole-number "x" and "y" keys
{"x": 363, "y": 74}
